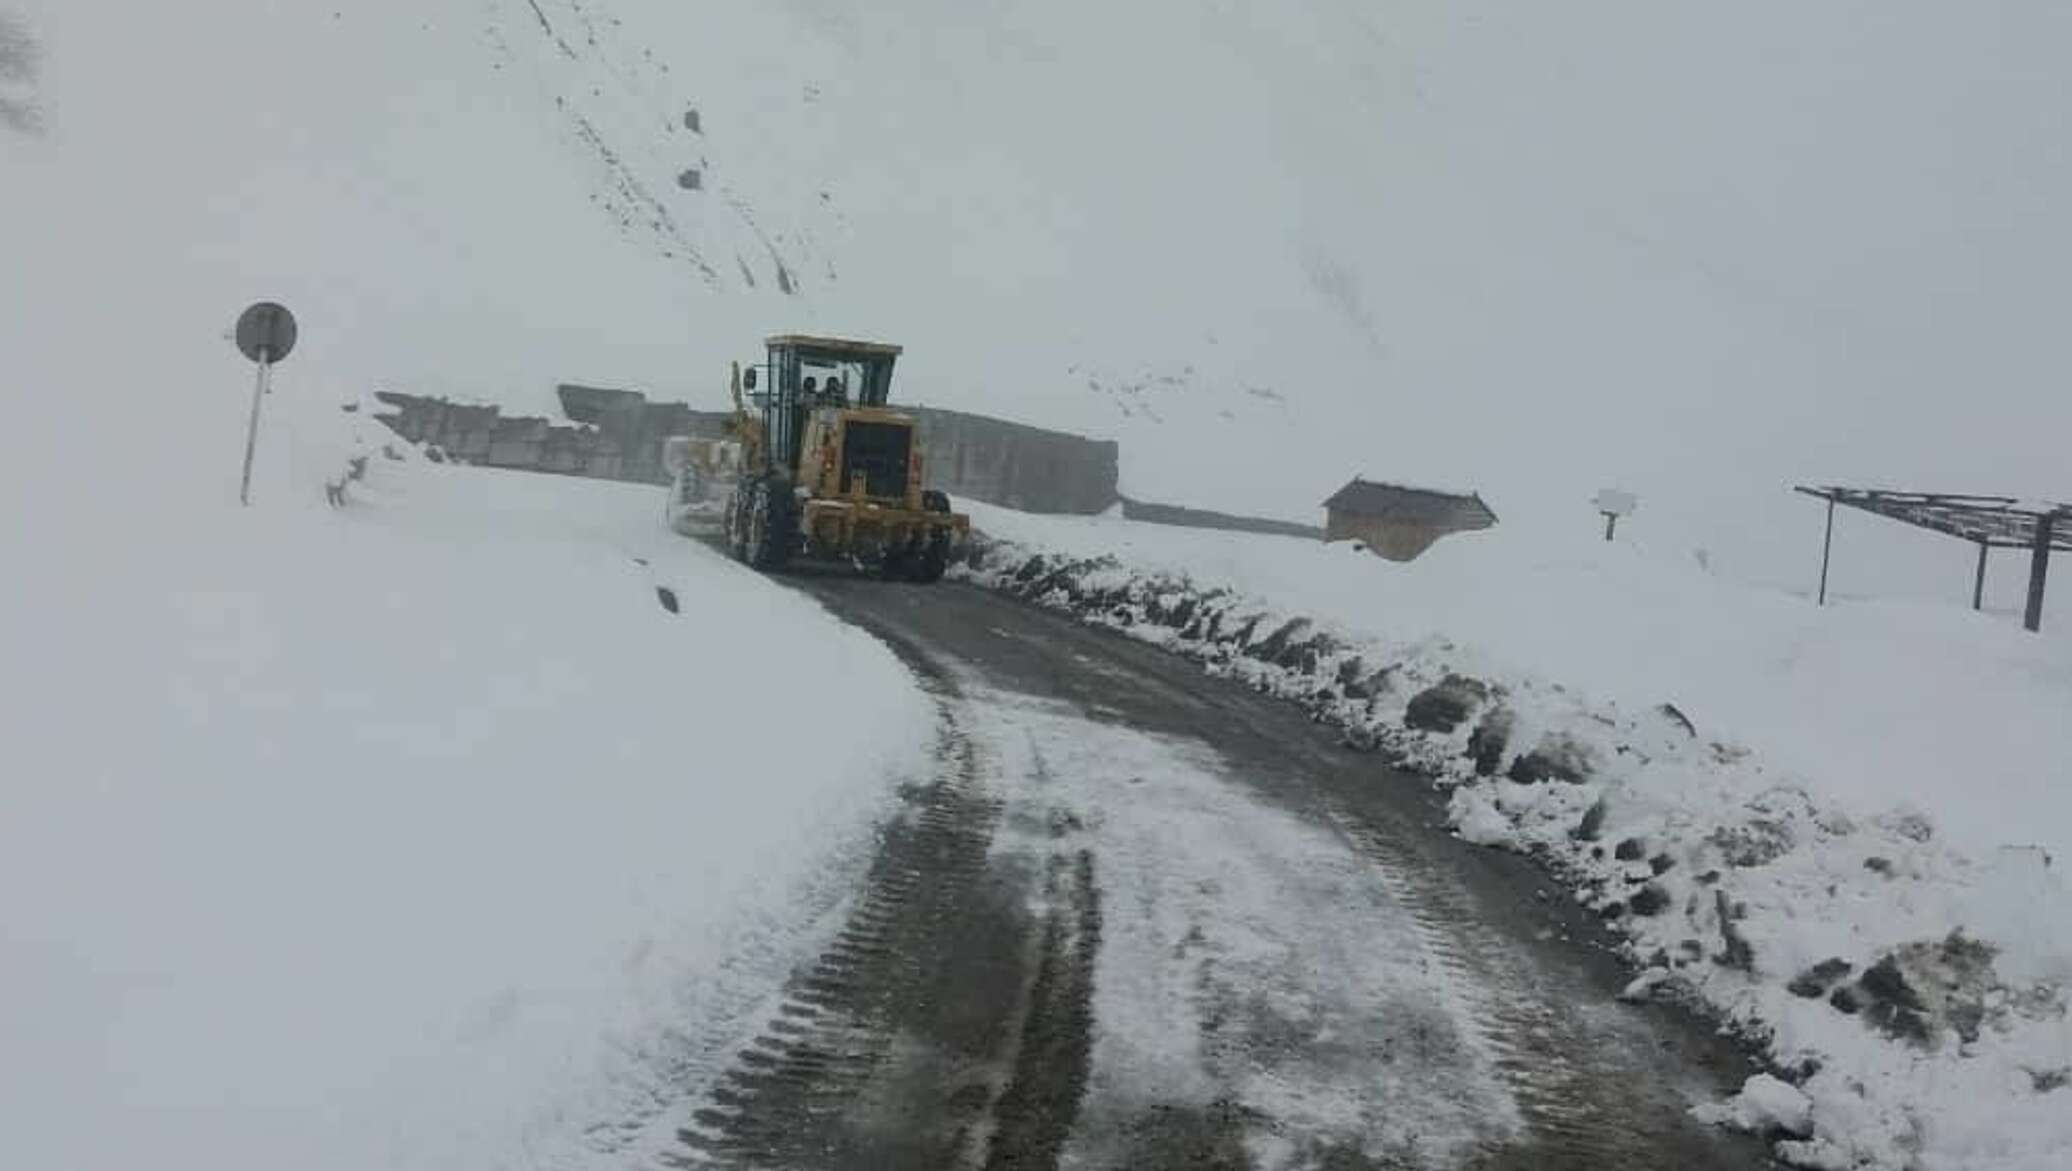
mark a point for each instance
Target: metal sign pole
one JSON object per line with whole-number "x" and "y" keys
{"x": 1827, "y": 548}
{"x": 244, "y": 488}
{"x": 265, "y": 333}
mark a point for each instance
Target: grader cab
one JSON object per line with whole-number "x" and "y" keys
{"x": 828, "y": 469}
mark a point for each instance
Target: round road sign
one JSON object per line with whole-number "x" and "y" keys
{"x": 266, "y": 329}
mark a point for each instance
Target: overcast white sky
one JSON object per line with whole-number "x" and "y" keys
{"x": 1702, "y": 251}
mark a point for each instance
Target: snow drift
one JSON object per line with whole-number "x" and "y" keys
{"x": 410, "y": 833}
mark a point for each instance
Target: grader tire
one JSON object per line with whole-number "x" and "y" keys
{"x": 926, "y": 565}
{"x": 771, "y": 526}
{"x": 737, "y": 522}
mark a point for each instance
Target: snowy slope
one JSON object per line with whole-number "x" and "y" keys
{"x": 1883, "y": 704}
{"x": 409, "y": 834}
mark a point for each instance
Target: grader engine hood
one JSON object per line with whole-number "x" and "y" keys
{"x": 878, "y": 451}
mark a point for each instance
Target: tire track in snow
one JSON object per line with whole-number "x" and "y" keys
{"x": 1573, "y": 1112}
{"x": 946, "y": 1025}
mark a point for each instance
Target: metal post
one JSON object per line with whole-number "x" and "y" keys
{"x": 1827, "y": 546}
{"x": 244, "y": 488}
{"x": 2039, "y": 564}
{"x": 1978, "y": 587}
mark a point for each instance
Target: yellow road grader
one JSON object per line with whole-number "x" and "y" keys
{"x": 828, "y": 470}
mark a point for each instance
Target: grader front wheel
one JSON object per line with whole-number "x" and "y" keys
{"x": 770, "y": 526}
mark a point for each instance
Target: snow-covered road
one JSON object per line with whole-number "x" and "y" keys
{"x": 1142, "y": 918}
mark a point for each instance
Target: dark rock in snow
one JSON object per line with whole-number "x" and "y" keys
{"x": 1445, "y": 705}
{"x": 1629, "y": 850}
{"x": 1557, "y": 758}
{"x": 1661, "y": 864}
{"x": 1845, "y": 1000}
{"x": 1182, "y": 613}
{"x": 1902, "y": 1024}
{"x": 1611, "y": 910}
{"x": 1379, "y": 683}
{"x": 1757, "y": 842}
{"x": 1273, "y": 646}
{"x": 2051, "y": 1079}
{"x": 1677, "y": 717}
{"x": 1486, "y": 744}
{"x": 1303, "y": 657}
{"x": 1885, "y": 982}
{"x": 1737, "y": 952}
{"x": 1592, "y": 823}
{"x": 1802, "y": 1071}
{"x": 1814, "y": 982}
{"x": 1878, "y": 865}
{"x": 1651, "y": 900}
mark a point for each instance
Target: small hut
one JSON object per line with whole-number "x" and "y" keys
{"x": 1399, "y": 522}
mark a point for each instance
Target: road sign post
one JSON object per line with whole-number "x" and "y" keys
{"x": 265, "y": 334}
{"x": 1613, "y": 504}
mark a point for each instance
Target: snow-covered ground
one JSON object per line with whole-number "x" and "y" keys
{"x": 407, "y": 834}
{"x": 1878, "y": 784}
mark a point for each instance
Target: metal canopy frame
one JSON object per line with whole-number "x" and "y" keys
{"x": 1990, "y": 522}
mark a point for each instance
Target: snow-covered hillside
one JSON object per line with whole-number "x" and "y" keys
{"x": 1699, "y": 252}
{"x": 408, "y": 834}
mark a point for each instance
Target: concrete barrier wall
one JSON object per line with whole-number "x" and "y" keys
{"x": 1202, "y": 518}
{"x": 1015, "y": 465}
{"x": 618, "y": 435}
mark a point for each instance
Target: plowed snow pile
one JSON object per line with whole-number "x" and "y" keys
{"x": 1843, "y": 829}
{"x": 409, "y": 833}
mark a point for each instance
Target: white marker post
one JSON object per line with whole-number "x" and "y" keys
{"x": 265, "y": 334}
{"x": 1613, "y": 504}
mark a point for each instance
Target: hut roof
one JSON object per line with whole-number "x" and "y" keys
{"x": 1419, "y": 505}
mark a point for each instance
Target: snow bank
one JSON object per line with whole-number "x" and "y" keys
{"x": 411, "y": 833}
{"x": 1752, "y": 789}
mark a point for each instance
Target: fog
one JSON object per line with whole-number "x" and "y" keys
{"x": 1700, "y": 253}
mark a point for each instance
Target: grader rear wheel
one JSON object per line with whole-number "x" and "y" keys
{"x": 926, "y": 564}
{"x": 926, "y": 567}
